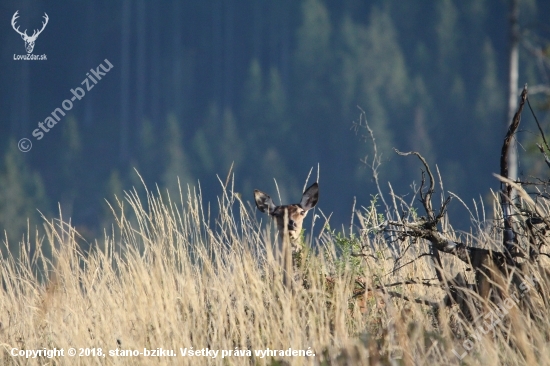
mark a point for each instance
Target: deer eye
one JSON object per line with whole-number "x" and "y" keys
{"x": 302, "y": 213}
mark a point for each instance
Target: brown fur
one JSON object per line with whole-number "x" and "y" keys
{"x": 295, "y": 213}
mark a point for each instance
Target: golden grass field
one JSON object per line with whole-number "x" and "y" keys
{"x": 167, "y": 275}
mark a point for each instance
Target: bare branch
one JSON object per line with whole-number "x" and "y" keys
{"x": 395, "y": 269}
{"x": 427, "y": 198}
{"x": 376, "y": 160}
{"x": 443, "y": 209}
{"x": 510, "y": 134}
{"x": 509, "y": 237}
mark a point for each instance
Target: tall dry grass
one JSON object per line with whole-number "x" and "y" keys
{"x": 170, "y": 276}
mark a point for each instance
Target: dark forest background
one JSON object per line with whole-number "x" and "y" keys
{"x": 271, "y": 86}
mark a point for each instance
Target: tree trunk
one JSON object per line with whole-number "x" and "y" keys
{"x": 513, "y": 86}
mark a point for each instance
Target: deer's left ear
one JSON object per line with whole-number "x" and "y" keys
{"x": 263, "y": 202}
{"x": 310, "y": 197}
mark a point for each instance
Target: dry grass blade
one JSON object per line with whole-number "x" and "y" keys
{"x": 166, "y": 279}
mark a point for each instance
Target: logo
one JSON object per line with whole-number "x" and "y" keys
{"x": 29, "y": 40}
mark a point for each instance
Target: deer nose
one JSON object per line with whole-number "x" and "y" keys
{"x": 291, "y": 225}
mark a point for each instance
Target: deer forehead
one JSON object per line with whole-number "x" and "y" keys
{"x": 295, "y": 212}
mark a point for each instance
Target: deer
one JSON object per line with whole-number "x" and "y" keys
{"x": 289, "y": 220}
{"x": 293, "y": 214}
{"x": 29, "y": 41}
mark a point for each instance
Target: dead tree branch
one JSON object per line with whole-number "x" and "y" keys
{"x": 506, "y": 199}
{"x": 426, "y": 198}
{"x": 429, "y": 225}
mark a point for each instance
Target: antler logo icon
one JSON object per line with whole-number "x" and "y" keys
{"x": 29, "y": 41}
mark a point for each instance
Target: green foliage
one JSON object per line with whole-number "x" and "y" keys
{"x": 276, "y": 105}
{"x": 150, "y": 151}
{"x": 314, "y": 62}
{"x": 21, "y": 195}
{"x": 253, "y": 97}
{"x": 220, "y": 142}
{"x": 447, "y": 35}
{"x": 71, "y": 166}
{"x": 372, "y": 73}
{"x": 114, "y": 188}
{"x": 178, "y": 165}
{"x": 353, "y": 250}
{"x": 231, "y": 147}
{"x": 348, "y": 259}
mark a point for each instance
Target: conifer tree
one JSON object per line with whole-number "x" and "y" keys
{"x": 178, "y": 165}
{"x": 21, "y": 195}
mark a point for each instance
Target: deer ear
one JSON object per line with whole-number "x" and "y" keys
{"x": 263, "y": 202}
{"x": 310, "y": 197}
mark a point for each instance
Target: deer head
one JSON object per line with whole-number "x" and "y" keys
{"x": 295, "y": 213}
{"x": 29, "y": 41}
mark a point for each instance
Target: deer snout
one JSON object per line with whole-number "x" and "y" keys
{"x": 292, "y": 225}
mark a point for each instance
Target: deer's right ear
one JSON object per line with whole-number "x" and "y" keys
{"x": 263, "y": 202}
